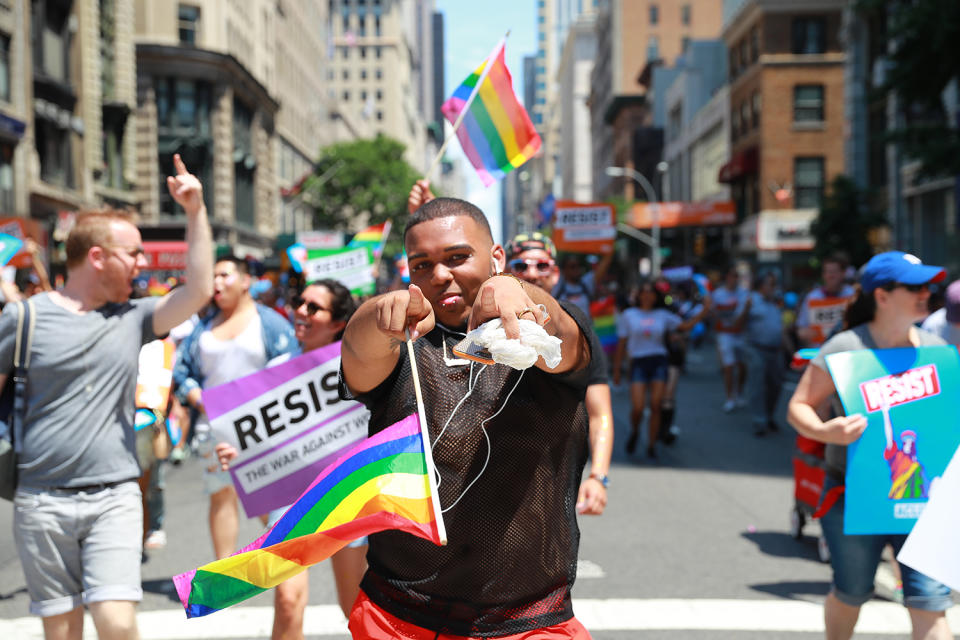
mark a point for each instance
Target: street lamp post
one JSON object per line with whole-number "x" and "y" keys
{"x": 654, "y": 239}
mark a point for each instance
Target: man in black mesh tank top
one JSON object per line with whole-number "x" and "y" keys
{"x": 508, "y": 484}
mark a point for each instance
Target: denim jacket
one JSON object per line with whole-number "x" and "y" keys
{"x": 278, "y": 339}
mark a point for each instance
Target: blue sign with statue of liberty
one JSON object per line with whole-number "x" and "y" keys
{"x": 910, "y": 399}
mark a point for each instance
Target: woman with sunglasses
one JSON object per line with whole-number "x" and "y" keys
{"x": 892, "y": 298}
{"x": 320, "y": 314}
{"x": 643, "y": 330}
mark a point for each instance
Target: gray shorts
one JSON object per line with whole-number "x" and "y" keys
{"x": 79, "y": 547}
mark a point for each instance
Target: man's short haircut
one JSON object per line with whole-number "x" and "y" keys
{"x": 447, "y": 208}
{"x": 239, "y": 263}
{"x": 838, "y": 258}
{"x": 92, "y": 229}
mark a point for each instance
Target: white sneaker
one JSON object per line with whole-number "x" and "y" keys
{"x": 156, "y": 539}
{"x": 729, "y": 405}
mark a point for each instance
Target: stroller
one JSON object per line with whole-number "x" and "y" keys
{"x": 809, "y": 472}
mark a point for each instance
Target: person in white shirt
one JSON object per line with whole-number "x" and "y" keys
{"x": 729, "y": 303}
{"x": 945, "y": 322}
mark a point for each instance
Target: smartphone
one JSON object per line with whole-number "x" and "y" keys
{"x": 469, "y": 350}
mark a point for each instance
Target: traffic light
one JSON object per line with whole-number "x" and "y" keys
{"x": 700, "y": 244}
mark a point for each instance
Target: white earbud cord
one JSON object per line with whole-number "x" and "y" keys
{"x": 470, "y": 384}
{"x": 485, "y": 435}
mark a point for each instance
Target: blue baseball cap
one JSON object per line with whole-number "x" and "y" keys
{"x": 897, "y": 266}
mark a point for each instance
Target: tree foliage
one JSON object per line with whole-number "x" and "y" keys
{"x": 359, "y": 183}
{"x": 844, "y": 221}
{"x": 923, "y": 63}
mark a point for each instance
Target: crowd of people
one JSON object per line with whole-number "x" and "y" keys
{"x": 85, "y": 507}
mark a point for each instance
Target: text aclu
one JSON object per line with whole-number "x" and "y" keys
{"x": 914, "y": 384}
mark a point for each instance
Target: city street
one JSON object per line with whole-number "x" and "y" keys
{"x": 695, "y": 545}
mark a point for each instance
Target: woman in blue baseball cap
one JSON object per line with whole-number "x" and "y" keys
{"x": 892, "y": 299}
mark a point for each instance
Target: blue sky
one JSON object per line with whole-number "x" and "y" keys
{"x": 472, "y": 29}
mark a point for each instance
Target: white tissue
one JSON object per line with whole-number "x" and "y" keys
{"x": 520, "y": 354}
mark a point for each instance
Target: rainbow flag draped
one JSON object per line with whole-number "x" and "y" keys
{"x": 374, "y": 237}
{"x": 496, "y": 133}
{"x": 381, "y": 483}
{"x": 604, "y": 317}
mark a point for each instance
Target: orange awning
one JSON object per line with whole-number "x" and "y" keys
{"x": 683, "y": 214}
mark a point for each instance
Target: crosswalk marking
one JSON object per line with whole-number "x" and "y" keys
{"x": 624, "y": 614}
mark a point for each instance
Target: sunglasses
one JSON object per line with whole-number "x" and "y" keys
{"x": 912, "y": 288}
{"x": 312, "y": 307}
{"x": 521, "y": 266}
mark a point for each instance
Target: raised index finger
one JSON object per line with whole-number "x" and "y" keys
{"x": 179, "y": 166}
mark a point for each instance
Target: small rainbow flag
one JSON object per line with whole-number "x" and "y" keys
{"x": 381, "y": 483}
{"x": 374, "y": 237}
{"x": 604, "y": 317}
{"x": 496, "y": 132}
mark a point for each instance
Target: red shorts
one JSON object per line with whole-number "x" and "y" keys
{"x": 370, "y": 622}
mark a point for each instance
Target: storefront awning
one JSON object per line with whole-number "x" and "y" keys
{"x": 165, "y": 255}
{"x": 742, "y": 163}
{"x": 683, "y": 214}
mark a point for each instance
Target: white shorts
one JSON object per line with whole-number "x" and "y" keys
{"x": 730, "y": 348}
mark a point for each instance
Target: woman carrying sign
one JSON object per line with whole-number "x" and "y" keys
{"x": 892, "y": 298}
{"x": 320, "y": 314}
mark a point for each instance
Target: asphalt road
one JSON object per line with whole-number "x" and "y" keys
{"x": 695, "y": 545}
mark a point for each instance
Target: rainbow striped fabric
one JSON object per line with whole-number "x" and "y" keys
{"x": 604, "y": 317}
{"x": 374, "y": 237}
{"x": 496, "y": 133}
{"x": 379, "y": 484}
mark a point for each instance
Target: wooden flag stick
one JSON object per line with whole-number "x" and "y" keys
{"x": 427, "y": 449}
{"x": 466, "y": 106}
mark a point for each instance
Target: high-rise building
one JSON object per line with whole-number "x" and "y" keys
{"x": 787, "y": 125}
{"x": 377, "y": 71}
{"x": 632, "y": 37}
{"x": 68, "y": 85}
{"x": 571, "y": 137}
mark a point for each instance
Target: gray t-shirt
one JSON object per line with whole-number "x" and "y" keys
{"x": 855, "y": 339}
{"x": 936, "y": 323}
{"x": 78, "y": 427}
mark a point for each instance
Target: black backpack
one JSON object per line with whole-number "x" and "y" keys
{"x": 13, "y": 399}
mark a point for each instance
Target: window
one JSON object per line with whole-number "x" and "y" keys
{"x": 653, "y": 48}
{"x": 654, "y": 14}
{"x": 363, "y": 52}
{"x": 244, "y": 164}
{"x": 734, "y": 63}
{"x": 346, "y": 96}
{"x": 808, "y": 182}
{"x": 379, "y": 94}
{"x": 363, "y": 74}
{"x": 362, "y": 26}
{"x": 54, "y": 146}
{"x": 734, "y": 124}
{"x": 363, "y": 95}
{"x": 377, "y": 53}
{"x": 757, "y": 105}
{"x": 188, "y": 21}
{"x": 330, "y": 74}
{"x": 809, "y": 35}
{"x": 346, "y": 74}
{"x": 5, "y": 70}
{"x": 112, "y": 129}
{"x": 377, "y": 31}
{"x": 745, "y": 116}
{"x": 808, "y": 103}
{"x": 51, "y": 39}
{"x": 379, "y": 115}
{"x": 754, "y": 44}
{"x": 378, "y": 74}
{"x": 6, "y": 177}
{"x": 684, "y": 44}
{"x": 685, "y": 15}
{"x": 108, "y": 48}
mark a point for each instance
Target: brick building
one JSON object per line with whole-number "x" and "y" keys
{"x": 786, "y": 67}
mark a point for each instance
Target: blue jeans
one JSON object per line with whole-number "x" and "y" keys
{"x": 854, "y": 561}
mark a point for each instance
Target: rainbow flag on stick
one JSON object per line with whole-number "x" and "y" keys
{"x": 381, "y": 483}
{"x": 604, "y": 317}
{"x": 495, "y": 130}
{"x": 374, "y": 237}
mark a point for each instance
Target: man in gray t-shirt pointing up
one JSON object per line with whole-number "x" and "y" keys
{"x": 77, "y": 511}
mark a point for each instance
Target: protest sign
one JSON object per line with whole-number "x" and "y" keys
{"x": 353, "y": 267}
{"x": 9, "y": 246}
{"x": 155, "y": 375}
{"x": 931, "y": 547}
{"x": 913, "y": 427}
{"x": 584, "y": 227}
{"x": 288, "y": 423}
{"x": 823, "y": 315}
